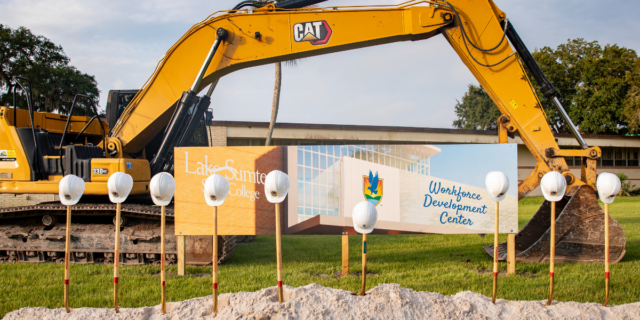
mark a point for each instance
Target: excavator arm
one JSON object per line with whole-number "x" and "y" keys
{"x": 479, "y": 33}
{"x": 269, "y": 34}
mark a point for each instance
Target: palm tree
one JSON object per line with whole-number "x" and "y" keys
{"x": 275, "y": 103}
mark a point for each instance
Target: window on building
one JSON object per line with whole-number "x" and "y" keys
{"x": 611, "y": 157}
{"x": 633, "y": 157}
{"x": 619, "y": 157}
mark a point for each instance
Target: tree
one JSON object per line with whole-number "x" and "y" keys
{"x": 476, "y": 111}
{"x": 55, "y": 82}
{"x": 597, "y": 87}
{"x": 275, "y": 103}
{"x": 632, "y": 106}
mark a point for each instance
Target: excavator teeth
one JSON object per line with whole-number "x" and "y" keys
{"x": 579, "y": 233}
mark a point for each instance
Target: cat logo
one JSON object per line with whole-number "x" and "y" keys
{"x": 316, "y": 32}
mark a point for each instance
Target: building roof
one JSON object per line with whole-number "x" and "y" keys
{"x": 395, "y": 129}
{"x": 306, "y": 133}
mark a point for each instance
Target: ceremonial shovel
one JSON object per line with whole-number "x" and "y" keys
{"x": 553, "y": 186}
{"x": 119, "y": 185}
{"x": 608, "y": 185}
{"x": 276, "y": 187}
{"x": 162, "y": 187}
{"x": 364, "y": 217}
{"x": 497, "y": 184}
{"x": 70, "y": 190}
{"x": 216, "y": 189}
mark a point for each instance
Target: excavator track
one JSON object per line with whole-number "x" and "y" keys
{"x": 37, "y": 234}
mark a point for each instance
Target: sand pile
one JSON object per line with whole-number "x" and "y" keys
{"x": 386, "y": 301}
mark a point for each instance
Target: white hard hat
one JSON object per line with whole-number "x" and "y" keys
{"x": 553, "y": 186}
{"x": 216, "y": 189}
{"x": 608, "y": 185}
{"x": 364, "y": 217}
{"x": 276, "y": 186}
{"x": 162, "y": 186}
{"x": 70, "y": 189}
{"x": 119, "y": 186}
{"x": 497, "y": 184}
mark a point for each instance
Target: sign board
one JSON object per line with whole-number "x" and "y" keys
{"x": 416, "y": 188}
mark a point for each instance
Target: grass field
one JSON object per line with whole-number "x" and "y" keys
{"x": 438, "y": 263}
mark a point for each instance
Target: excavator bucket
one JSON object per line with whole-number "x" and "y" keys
{"x": 579, "y": 232}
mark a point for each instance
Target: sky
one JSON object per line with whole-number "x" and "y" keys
{"x": 402, "y": 84}
{"x": 469, "y": 163}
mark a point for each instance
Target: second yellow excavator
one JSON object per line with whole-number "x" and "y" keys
{"x": 167, "y": 110}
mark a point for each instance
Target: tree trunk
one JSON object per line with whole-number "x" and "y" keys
{"x": 276, "y": 101}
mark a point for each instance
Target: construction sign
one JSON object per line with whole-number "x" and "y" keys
{"x": 416, "y": 188}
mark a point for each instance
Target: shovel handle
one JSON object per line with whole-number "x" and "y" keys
{"x": 495, "y": 253}
{"x": 215, "y": 260}
{"x": 606, "y": 254}
{"x": 552, "y": 252}
{"x": 163, "y": 276}
{"x": 116, "y": 256}
{"x": 67, "y": 252}
{"x": 364, "y": 265}
{"x": 279, "y": 253}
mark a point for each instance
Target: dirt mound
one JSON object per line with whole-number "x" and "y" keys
{"x": 386, "y": 301}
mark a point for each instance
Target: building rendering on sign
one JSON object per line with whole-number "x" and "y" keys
{"x": 412, "y": 194}
{"x": 318, "y": 173}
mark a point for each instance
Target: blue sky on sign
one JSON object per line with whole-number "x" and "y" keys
{"x": 470, "y": 163}
{"x": 401, "y": 84}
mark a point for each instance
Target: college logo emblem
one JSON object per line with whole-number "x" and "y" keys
{"x": 316, "y": 32}
{"x": 372, "y": 188}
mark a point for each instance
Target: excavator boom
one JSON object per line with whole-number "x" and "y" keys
{"x": 477, "y": 31}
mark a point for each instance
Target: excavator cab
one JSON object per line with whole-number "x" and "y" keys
{"x": 117, "y": 101}
{"x": 40, "y": 145}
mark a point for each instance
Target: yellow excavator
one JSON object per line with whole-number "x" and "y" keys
{"x": 146, "y": 125}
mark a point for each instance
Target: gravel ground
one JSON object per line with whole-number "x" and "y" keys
{"x": 386, "y": 301}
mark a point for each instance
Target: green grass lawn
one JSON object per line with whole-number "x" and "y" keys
{"x": 438, "y": 263}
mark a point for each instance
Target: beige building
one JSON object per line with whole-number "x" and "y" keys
{"x": 619, "y": 154}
